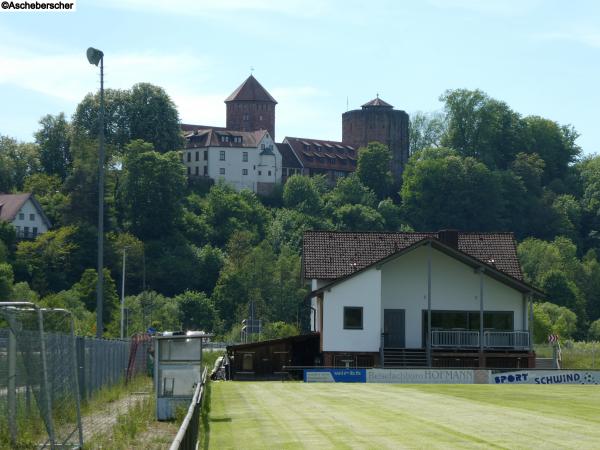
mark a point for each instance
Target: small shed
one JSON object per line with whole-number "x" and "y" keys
{"x": 177, "y": 370}
{"x": 266, "y": 360}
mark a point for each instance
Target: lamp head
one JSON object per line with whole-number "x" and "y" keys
{"x": 94, "y": 55}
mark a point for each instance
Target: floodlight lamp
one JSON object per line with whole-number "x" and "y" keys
{"x": 94, "y": 55}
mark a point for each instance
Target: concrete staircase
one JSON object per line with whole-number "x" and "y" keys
{"x": 404, "y": 357}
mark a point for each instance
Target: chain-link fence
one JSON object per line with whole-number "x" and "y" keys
{"x": 45, "y": 373}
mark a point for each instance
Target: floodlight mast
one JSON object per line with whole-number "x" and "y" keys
{"x": 94, "y": 57}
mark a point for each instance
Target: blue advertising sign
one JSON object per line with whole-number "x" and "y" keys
{"x": 546, "y": 377}
{"x": 335, "y": 375}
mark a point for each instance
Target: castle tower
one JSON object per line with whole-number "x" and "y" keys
{"x": 379, "y": 121}
{"x": 250, "y": 107}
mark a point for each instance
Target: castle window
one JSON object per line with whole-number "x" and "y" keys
{"x": 205, "y": 170}
{"x": 205, "y": 155}
{"x": 246, "y": 117}
{"x": 189, "y": 156}
{"x": 259, "y": 173}
{"x": 224, "y": 138}
{"x": 189, "y": 170}
{"x": 197, "y": 156}
{"x": 269, "y": 173}
{"x": 222, "y": 155}
{"x": 237, "y": 139}
{"x": 244, "y": 171}
{"x": 245, "y": 156}
{"x": 197, "y": 170}
{"x": 222, "y": 171}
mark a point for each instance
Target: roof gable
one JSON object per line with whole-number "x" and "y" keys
{"x": 251, "y": 91}
{"x": 10, "y": 204}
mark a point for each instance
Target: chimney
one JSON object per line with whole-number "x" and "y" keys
{"x": 449, "y": 237}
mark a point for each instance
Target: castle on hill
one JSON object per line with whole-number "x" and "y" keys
{"x": 244, "y": 152}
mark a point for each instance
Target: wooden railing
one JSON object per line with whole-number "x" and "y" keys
{"x": 189, "y": 431}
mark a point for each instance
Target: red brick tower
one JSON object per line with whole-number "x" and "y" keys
{"x": 250, "y": 107}
{"x": 379, "y": 121}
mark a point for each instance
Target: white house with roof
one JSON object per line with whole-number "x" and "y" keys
{"x": 242, "y": 159}
{"x": 444, "y": 299}
{"x": 25, "y": 213}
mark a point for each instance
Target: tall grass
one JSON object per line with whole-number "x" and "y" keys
{"x": 575, "y": 355}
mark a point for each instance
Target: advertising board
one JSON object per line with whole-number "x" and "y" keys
{"x": 421, "y": 376}
{"x": 335, "y": 375}
{"x": 546, "y": 377}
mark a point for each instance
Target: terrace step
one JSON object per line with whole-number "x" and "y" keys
{"x": 402, "y": 357}
{"x": 545, "y": 363}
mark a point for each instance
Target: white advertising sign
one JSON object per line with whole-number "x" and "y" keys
{"x": 546, "y": 377}
{"x": 421, "y": 376}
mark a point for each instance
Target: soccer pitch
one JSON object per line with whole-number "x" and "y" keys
{"x": 276, "y": 415}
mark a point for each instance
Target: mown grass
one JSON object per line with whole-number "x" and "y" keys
{"x": 297, "y": 415}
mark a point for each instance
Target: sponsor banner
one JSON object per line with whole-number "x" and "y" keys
{"x": 421, "y": 376}
{"x": 335, "y": 375}
{"x": 546, "y": 377}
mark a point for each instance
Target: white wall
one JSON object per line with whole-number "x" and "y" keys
{"x": 315, "y": 322}
{"x": 27, "y": 209}
{"x": 261, "y": 168}
{"x": 363, "y": 290}
{"x": 454, "y": 286}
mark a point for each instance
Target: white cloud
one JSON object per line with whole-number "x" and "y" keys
{"x": 580, "y": 34}
{"x": 69, "y": 76}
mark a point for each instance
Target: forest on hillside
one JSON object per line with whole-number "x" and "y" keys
{"x": 198, "y": 254}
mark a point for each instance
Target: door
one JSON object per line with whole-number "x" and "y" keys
{"x": 393, "y": 328}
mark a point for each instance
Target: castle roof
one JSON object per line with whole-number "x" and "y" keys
{"x": 321, "y": 154}
{"x": 250, "y": 91}
{"x": 221, "y": 137}
{"x": 377, "y": 103}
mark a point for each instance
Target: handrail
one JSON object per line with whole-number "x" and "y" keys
{"x": 192, "y": 411}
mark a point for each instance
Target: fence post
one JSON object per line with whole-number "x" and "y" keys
{"x": 80, "y": 354}
{"x": 12, "y": 384}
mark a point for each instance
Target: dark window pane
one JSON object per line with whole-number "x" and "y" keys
{"x": 353, "y": 318}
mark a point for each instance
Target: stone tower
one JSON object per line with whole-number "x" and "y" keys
{"x": 379, "y": 121}
{"x": 250, "y": 107}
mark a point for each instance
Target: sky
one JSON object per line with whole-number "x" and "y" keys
{"x": 318, "y": 58}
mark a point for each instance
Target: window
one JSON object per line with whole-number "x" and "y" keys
{"x": 222, "y": 171}
{"x": 259, "y": 117}
{"x": 26, "y": 232}
{"x": 224, "y": 138}
{"x": 32, "y": 217}
{"x": 205, "y": 170}
{"x": 205, "y": 155}
{"x": 222, "y": 155}
{"x": 197, "y": 156}
{"x": 269, "y": 173}
{"x": 21, "y": 216}
{"x": 244, "y": 171}
{"x": 353, "y": 318}
{"x": 189, "y": 156}
{"x": 189, "y": 170}
{"x": 197, "y": 170}
{"x": 246, "y": 117}
{"x": 259, "y": 173}
{"x": 245, "y": 157}
{"x": 35, "y": 231}
{"x": 237, "y": 139}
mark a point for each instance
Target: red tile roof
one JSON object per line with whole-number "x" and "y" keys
{"x": 330, "y": 255}
{"x": 250, "y": 90}
{"x": 377, "y": 102}
{"x": 10, "y": 204}
{"x": 318, "y": 154}
{"x": 288, "y": 157}
{"x": 212, "y": 137}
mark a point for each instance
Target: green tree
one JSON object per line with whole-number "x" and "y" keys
{"x": 444, "y": 190}
{"x": 152, "y": 190}
{"x": 300, "y": 193}
{"x": 594, "y": 331}
{"x": 426, "y": 130}
{"x": 482, "y": 127}
{"x": 373, "y": 168}
{"x": 18, "y": 160}
{"x": 196, "y": 311}
{"x": 357, "y": 218}
{"x": 48, "y": 192}
{"x": 54, "y": 141}
{"x": 350, "y": 190}
{"x": 552, "y": 319}
{"x": 278, "y": 330}
{"x": 6, "y": 282}
{"x": 288, "y": 226}
{"x": 564, "y": 292}
{"x": 391, "y": 213}
{"x": 86, "y": 289}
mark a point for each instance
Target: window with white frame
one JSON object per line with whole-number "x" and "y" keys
{"x": 222, "y": 155}
{"x": 222, "y": 171}
{"x": 244, "y": 171}
{"x": 245, "y": 156}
